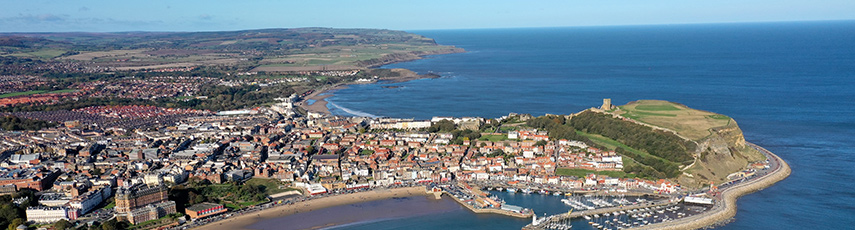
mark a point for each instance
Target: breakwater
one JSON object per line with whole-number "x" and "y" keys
{"x": 726, "y": 209}
{"x": 488, "y": 210}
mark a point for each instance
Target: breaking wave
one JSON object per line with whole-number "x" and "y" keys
{"x": 350, "y": 111}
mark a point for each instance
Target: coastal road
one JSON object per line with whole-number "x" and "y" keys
{"x": 725, "y": 208}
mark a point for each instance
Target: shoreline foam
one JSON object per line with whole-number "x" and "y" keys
{"x": 319, "y": 96}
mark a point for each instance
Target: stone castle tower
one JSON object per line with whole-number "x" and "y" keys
{"x": 607, "y": 104}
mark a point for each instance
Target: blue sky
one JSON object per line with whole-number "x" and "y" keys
{"x": 213, "y": 15}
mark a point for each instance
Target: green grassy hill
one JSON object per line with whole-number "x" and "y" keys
{"x": 720, "y": 146}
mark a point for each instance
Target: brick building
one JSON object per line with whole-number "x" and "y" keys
{"x": 139, "y": 196}
{"x": 204, "y": 209}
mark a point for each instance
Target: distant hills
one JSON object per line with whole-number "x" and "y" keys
{"x": 298, "y": 47}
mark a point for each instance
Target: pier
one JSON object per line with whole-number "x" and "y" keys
{"x": 468, "y": 197}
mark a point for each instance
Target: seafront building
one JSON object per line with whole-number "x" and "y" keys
{"x": 44, "y": 214}
{"x": 204, "y": 209}
{"x": 128, "y": 199}
{"x": 151, "y": 212}
{"x": 319, "y": 155}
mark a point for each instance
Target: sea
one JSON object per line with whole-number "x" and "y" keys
{"x": 789, "y": 85}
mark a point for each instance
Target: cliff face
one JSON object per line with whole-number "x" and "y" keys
{"x": 718, "y": 155}
{"x": 720, "y": 147}
{"x": 403, "y": 57}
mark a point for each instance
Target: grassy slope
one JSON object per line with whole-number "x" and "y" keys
{"x": 697, "y": 125}
{"x": 691, "y": 123}
{"x": 612, "y": 145}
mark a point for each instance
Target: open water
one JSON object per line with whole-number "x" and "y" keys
{"x": 790, "y": 86}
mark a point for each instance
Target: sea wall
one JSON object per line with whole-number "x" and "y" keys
{"x": 489, "y": 210}
{"x": 727, "y": 208}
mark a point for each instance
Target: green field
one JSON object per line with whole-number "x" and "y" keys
{"x": 657, "y": 107}
{"x": 584, "y": 172}
{"x": 31, "y": 92}
{"x": 689, "y": 123}
{"x": 493, "y": 137}
{"x": 42, "y": 54}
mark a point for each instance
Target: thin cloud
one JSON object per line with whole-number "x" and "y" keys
{"x": 83, "y": 9}
{"x": 51, "y": 22}
{"x": 35, "y": 19}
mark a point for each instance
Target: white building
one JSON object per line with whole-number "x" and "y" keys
{"x": 44, "y": 214}
{"x": 87, "y": 201}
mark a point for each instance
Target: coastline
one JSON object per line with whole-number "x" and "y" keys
{"x": 244, "y": 221}
{"x": 728, "y": 207}
{"x": 320, "y": 95}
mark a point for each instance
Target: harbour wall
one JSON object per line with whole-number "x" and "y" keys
{"x": 727, "y": 209}
{"x": 489, "y": 210}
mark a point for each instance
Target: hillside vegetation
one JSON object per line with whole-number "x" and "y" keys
{"x": 658, "y": 139}
{"x": 718, "y": 147}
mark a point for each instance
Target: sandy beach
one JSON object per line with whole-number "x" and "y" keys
{"x": 320, "y": 104}
{"x": 241, "y": 222}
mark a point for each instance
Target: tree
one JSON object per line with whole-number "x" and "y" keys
{"x": 14, "y": 224}
{"x": 112, "y": 224}
{"x": 442, "y": 126}
{"x": 61, "y": 225}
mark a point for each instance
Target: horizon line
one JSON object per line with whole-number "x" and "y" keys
{"x": 437, "y": 29}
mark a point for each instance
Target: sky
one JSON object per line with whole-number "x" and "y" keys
{"x": 219, "y": 15}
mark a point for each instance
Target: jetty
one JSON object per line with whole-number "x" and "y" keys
{"x": 478, "y": 202}
{"x": 545, "y": 222}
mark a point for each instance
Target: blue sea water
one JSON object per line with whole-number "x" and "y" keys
{"x": 790, "y": 86}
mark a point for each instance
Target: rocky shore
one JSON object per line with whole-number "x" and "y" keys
{"x": 404, "y": 57}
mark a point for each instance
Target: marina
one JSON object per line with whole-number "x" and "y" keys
{"x": 596, "y": 211}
